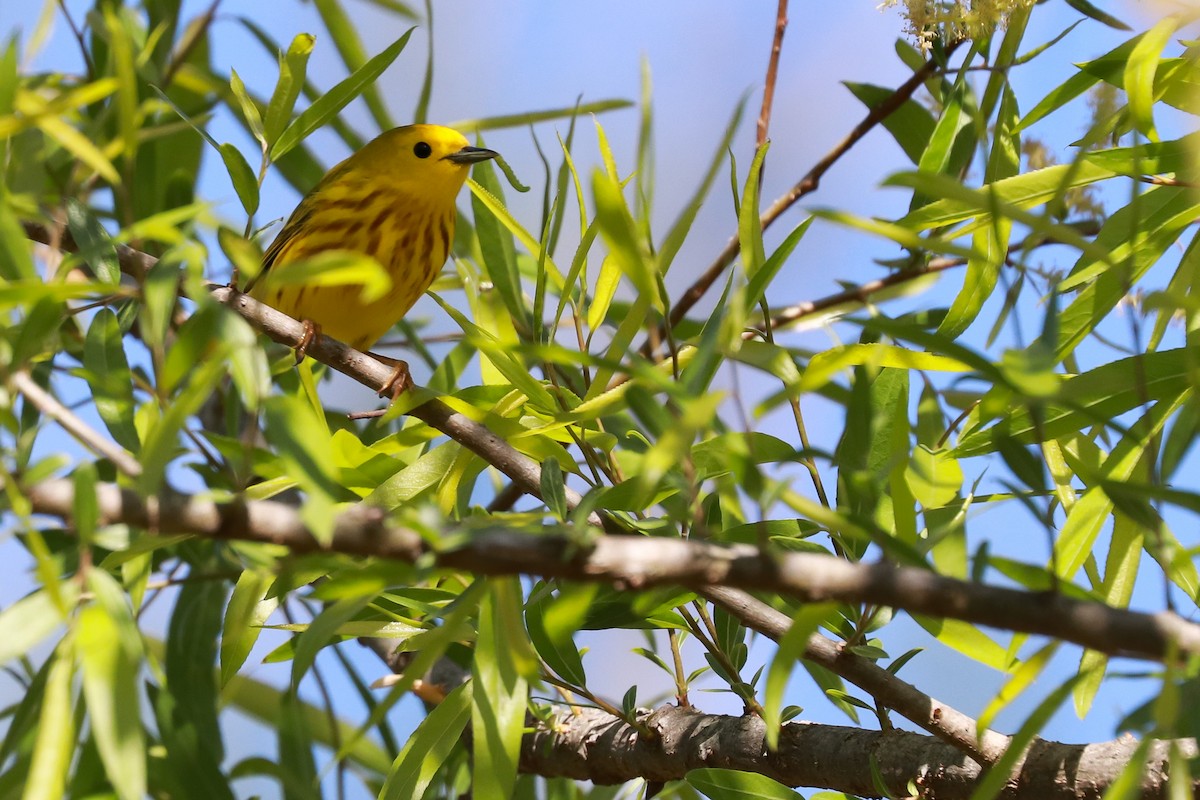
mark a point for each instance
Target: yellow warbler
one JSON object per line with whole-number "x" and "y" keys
{"x": 393, "y": 200}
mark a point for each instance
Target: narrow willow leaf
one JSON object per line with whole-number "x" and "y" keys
{"x": 990, "y": 242}
{"x": 54, "y": 745}
{"x": 621, "y": 235}
{"x": 500, "y": 693}
{"x": 496, "y": 243}
{"x": 161, "y": 444}
{"x": 293, "y": 67}
{"x": 1020, "y": 680}
{"x": 350, "y": 47}
{"x": 244, "y": 181}
{"x": 428, "y": 748}
{"x": 250, "y": 112}
{"x": 28, "y": 621}
{"x": 910, "y": 124}
{"x": 80, "y": 146}
{"x": 606, "y": 287}
{"x": 1120, "y": 573}
{"x": 106, "y": 370}
{"x": 320, "y": 631}
{"x": 1001, "y": 772}
{"x": 552, "y": 621}
{"x": 530, "y": 117}
{"x": 728, "y": 784}
{"x": 1084, "y": 7}
{"x": 329, "y": 104}
{"x": 749, "y": 228}
{"x": 1094, "y": 397}
{"x": 298, "y": 766}
{"x": 245, "y": 615}
{"x": 110, "y": 651}
{"x": 95, "y": 245}
{"x": 303, "y": 443}
{"x": 1088, "y": 516}
{"x": 1140, "y": 71}
{"x": 16, "y": 251}
{"x": 187, "y": 709}
{"x": 791, "y": 650}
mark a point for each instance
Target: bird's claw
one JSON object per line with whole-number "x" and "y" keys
{"x": 312, "y": 331}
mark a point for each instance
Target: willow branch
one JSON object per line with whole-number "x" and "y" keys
{"x": 596, "y": 746}
{"x": 635, "y": 562}
{"x": 89, "y": 437}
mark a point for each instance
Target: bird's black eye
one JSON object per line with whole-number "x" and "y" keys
{"x": 422, "y": 150}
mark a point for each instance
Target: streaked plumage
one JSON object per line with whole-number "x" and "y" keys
{"x": 393, "y": 200}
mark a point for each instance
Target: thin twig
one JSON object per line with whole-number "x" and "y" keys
{"x": 88, "y": 436}
{"x": 804, "y": 186}
{"x": 764, "y": 116}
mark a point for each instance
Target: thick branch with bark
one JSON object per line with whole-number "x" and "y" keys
{"x": 598, "y": 747}
{"x": 639, "y": 561}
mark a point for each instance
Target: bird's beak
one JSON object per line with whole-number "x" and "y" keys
{"x": 471, "y": 155}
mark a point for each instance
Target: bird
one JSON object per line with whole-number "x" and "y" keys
{"x": 393, "y": 200}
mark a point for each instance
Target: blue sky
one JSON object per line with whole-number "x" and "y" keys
{"x": 499, "y": 57}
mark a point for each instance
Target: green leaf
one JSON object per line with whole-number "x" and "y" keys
{"x": 16, "y": 256}
{"x": 910, "y": 124}
{"x": 54, "y": 745}
{"x": 329, "y": 104}
{"x": 790, "y": 651}
{"x": 530, "y": 117}
{"x": 1001, "y": 772}
{"x": 110, "y": 651}
{"x": 321, "y": 630}
{"x": 159, "y": 291}
{"x": 933, "y": 476}
{"x": 749, "y": 228}
{"x": 349, "y": 46}
{"x": 95, "y": 245}
{"x": 1084, "y": 7}
{"x": 728, "y": 784}
{"x": 296, "y": 760}
{"x": 1140, "y": 71}
{"x": 1094, "y": 397}
{"x": 244, "y": 181}
{"x": 31, "y": 619}
{"x": 106, "y": 370}
{"x": 247, "y": 611}
{"x": 429, "y": 746}
{"x": 990, "y": 243}
{"x": 304, "y": 447}
{"x": 620, "y": 233}
{"x": 250, "y": 112}
{"x": 554, "y": 489}
{"x": 187, "y": 707}
{"x": 418, "y": 477}
{"x": 495, "y": 244}
{"x": 503, "y": 659}
{"x": 161, "y": 445}
{"x": 552, "y": 621}
{"x": 293, "y": 66}
{"x": 968, "y": 640}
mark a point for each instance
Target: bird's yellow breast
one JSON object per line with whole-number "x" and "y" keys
{"x": 394, "y": 200}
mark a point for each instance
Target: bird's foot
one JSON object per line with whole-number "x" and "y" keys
{"x": 312, "y": 331}
{"x": 400, "y": 380}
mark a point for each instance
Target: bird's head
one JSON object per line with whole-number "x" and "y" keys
{"x": 427, "y": 160}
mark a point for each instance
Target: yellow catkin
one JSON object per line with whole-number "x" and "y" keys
{"x": 393, "y": 200}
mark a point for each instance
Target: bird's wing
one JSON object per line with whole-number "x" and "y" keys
{"x": 286, "y": 236}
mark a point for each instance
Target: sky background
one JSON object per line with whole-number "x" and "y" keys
{"x": 494, "y": 57}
